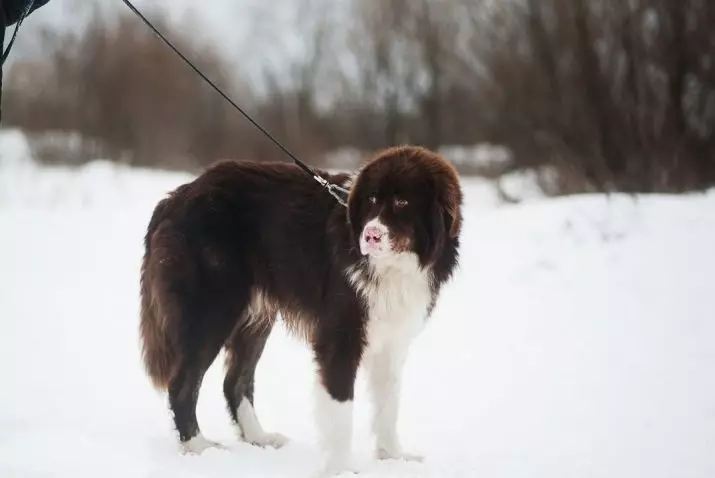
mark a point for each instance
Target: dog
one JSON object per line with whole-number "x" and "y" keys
{"x": 244, "y": 241}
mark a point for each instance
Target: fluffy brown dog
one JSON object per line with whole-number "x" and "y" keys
{"x": 228, "y": 251}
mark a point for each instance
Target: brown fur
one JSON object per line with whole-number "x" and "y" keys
{"x": 158, "y": 354}
{"x": 243, "y": 241}
{"x": 442, "y": 171}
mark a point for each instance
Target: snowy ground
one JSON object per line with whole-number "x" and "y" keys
{"x": 576, "y": 341}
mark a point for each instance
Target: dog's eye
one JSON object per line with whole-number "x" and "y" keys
{"x": 372, "y": 199}
{"x": 400, "y": 202}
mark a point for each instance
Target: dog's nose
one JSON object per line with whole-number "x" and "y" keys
{"x": 373, "y": 235}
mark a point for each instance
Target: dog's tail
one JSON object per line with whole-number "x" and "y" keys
{"x": 159, "y": 349}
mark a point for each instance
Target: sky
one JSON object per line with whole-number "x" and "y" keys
{"x": 225, "y": 19}
{"x": 255, "y": 33}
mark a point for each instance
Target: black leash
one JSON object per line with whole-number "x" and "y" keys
{"x": 25, "y": 12}
{"x": 339, "y": 193}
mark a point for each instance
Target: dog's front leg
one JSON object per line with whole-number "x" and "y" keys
{"x": 338, "y": 356}
{"x": 384, "y": 372}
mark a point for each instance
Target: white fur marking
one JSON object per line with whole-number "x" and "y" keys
{"x": 384, "y": 371}
{"x": 399, "y": 295}
{"x": 253, "y": 431}
{"x": 334, "y": 421}
{"x": 261, "y": 311}
{"x": 198, "y": 444}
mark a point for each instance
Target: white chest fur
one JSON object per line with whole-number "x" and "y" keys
{"x": 398, "y": 297}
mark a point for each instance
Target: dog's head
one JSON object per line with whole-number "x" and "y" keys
{"x": 405, "y": 200}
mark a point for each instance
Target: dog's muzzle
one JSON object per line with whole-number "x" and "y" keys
{"x": 375, "y": 239}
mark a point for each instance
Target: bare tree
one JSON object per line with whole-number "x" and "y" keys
{"x": 611, "y": 95}
{"x": 598, "y": 90}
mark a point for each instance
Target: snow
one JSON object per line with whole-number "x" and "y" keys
{"x": 575, "y": 340}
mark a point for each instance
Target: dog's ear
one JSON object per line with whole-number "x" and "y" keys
{"x": 439, "y": 227}
{"x": 447, "y": 189}
{"x": 449, "y": 194}
{"x": 451, "y": 202}
{"x": 356, "y": 205}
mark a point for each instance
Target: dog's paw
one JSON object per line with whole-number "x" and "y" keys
{"x": 273, "y": 440}
{"x": 383, "y": 454}
{"x": 340, "y": 467}
{"x": 332, "y": 471}
{"x": 198, "y": 444}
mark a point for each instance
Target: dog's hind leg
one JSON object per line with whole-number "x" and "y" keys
{"x": 201, "y": 345}
{"x": 183, "y": 395}
{"x": 243, "y": 352}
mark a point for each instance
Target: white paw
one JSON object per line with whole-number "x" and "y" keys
{"x": 383, "y": 454}
{"x": 198, "y": 444}
{"x": 332, "y": 469}
{"x": 273, "y": 440}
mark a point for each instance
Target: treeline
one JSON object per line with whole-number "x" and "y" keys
{"x": 609, "y": 95}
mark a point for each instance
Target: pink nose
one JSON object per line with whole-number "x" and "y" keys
{"x": 373, "y": 235}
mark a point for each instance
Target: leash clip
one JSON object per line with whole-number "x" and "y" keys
{"x": 339, "y": 193}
